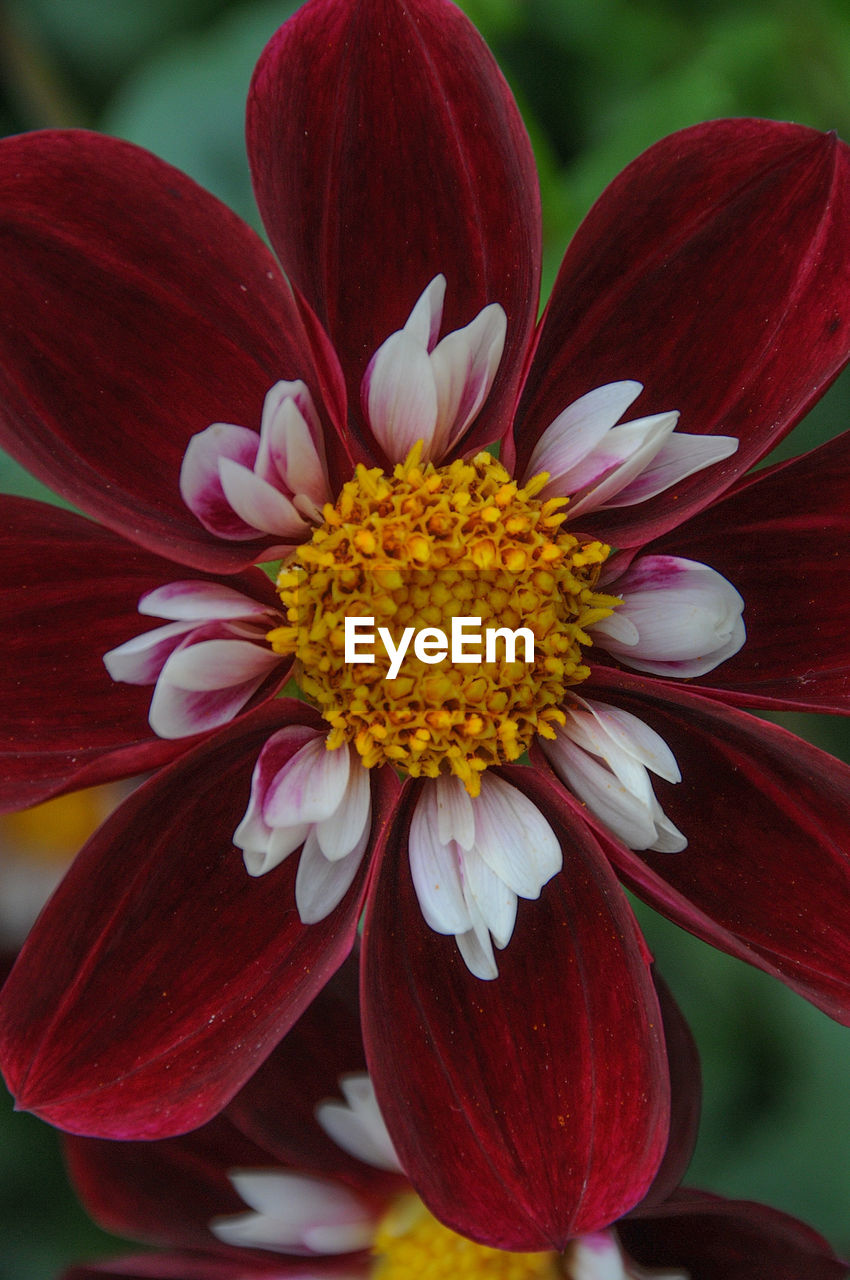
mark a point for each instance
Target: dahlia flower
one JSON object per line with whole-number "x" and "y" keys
{"x": 299, "y": 1178}
{"x": 326, "y": 420}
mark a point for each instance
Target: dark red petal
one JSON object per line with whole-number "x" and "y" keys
{"x": 535, "y": 1106}
{"x": 716, "y": 1239}
{"x": 703, "y": 271}
{"x": 766, "y": 875}
{"x": 161, "y": 974}
{"x": 783, "y": 539}
{"x": 242, "y": 1266}
{"x": 386, "y": 148}
{"x": 685, "y": 1095}
{"x": 139, "y": 311}
{"x": 167, "y": 1192}
{"x": 305, "y": 1070}
{"x": 69, "y": 593}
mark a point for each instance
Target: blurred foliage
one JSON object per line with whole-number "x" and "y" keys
{"x": 598, "y": 81}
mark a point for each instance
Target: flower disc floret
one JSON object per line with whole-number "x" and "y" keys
{"x": 416, "y": 549}
{"x": 410, "y": 1242}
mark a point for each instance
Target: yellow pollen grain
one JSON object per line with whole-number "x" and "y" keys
{"x": 410, "y": 1242}
{"x": 416, "y": 549}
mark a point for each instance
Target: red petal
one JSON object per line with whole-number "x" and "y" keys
{"x": 166, "y": 1192}
{"x": 305, "y": 1070}
{"x": 386, "y": 148}
{"x": 675, "y": 279}
{"x": 69, "y": 593}
{"x": 783, "y": 539}
{"x": 242, "y": 1266}
{"x": 533, "y": 1107}
{"x": 685, "y": 1095}
{"x": 144, "y": 310}
{"x": 766, "y": 875}
{"x": 722, "y": 1239}
{"x": 161, "y": 974}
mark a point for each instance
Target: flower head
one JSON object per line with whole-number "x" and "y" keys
{"x": 299, "y": 1178}
{"x": 333, "y": 418}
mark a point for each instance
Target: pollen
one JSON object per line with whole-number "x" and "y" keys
{"x": 416, "y": 549}
{"x": 410, "y": 1242}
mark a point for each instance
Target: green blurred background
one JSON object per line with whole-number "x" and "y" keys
{"x": 598, "y": 81}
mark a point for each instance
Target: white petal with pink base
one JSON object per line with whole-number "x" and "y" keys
{"x": 241, "y": 484}
{"x": 206, "y": 663}
{"x": 678, "y": 618}
{"x": 597, "y": 464}
{"x": 316, "y": 798}
{"x": 416, "y": 388}
{"x": 599, "y": 1257}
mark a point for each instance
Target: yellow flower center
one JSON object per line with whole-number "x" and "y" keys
{"x": 410, "y": 1242}
{"x": 415, "y": 550}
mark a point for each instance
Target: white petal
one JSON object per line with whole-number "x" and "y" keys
{"x": 218, "y": 664}
{"x": 435, "y": 870}
{"x": 625, "y": 452}
{"x": 357, "y": 1125}
{"x": 195, "y": 601}
{"x": 595, "y": 1257}
{"x": 587, "y": 732}
{"x": 477, "y": 953}
{"x": 258, "y": 503}
{"x": 425, "y": 319}
{"x": 493, "y": 900}
{"x": 688, "y": 617}
{"x": 464, "y": 365}
{"x": 309, "y": 787}
{"x": 294, "y": 1213}
{"x": 579, "y": 428}
{"x": 340, "y": 833}
{"x": 320, "y": 885}
{"x": 264, "y": 854}
{"x": 514, "y": 838}
{"x": 140, "y": 660}
{"x": 200, "y": 482}
{"x": 454, "y": 812}
{"x": 204, "y": 685}
{"x": 291, "y": 451}
{"x": 627, "y": 815}
{"x": 638, "y": 739}
{"x": 680, "y": 456}
{"x": 400, "y": 395}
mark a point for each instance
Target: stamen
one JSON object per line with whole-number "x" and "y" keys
{"x": 415, "y": 550}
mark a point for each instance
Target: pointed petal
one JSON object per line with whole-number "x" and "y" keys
{"x": 118, "y": 999}
{"x": 783, "y": 538}
{"x": 322, "y": 883}
{"x": 766, "y": 874}
{"x": 66, "y": 723}
{"x": 166, "y": 1192}
{"x": 400, "y": 396}
{"x": 258, "y": 503}
{"x": 464, "y": 364}
{"x": 413, "y": 129}
{"x": 671, "y": 279}
{"x": 535, "y": 1106}
{"x": 203, "y": 685}
{"x": 101, "y": 401}
{"x": 198, "y": 600}
{"x": 685, "y": 1096}
{"x": 310, "y": 1069}
{"x": 707, "y": 1235}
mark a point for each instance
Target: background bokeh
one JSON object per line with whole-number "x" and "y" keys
{"x": 598, "y": 81}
